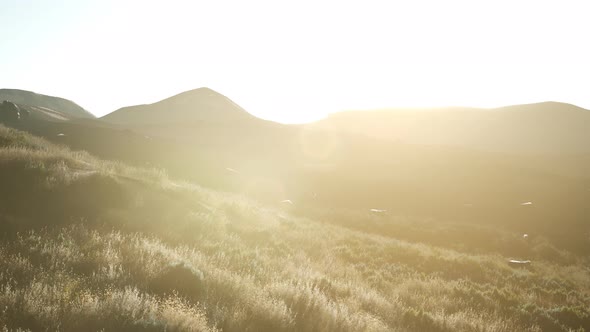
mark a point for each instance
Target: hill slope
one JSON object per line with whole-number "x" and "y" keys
{"x": 533, "y": 129}
{"x": 199, "y": 105}
{"x": 43, "y": 103}
{"x": 164, "y": 255}
{"x": 227, "y": 149}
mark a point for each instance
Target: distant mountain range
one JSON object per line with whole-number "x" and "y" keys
{"x": 454, "y": 163}
{"x": 531, "y": 129}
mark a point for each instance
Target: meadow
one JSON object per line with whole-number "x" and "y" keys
{"x": 93, "y": 245}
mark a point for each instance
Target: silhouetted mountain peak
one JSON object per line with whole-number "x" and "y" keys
{"x": 202, "y": 104}
{"x": 196, "y": 93}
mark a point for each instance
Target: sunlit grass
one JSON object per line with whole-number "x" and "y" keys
{"x": 174, "y": 256}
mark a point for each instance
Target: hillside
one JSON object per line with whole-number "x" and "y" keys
{"x": 45, "y": 107}
{"x": 532, "y": 129}
{"x": 199, "y": 105}
{"x": 100, "y": 245}
{"x": 319, "y": 168}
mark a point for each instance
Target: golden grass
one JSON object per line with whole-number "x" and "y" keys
{"x": 179, "y": 257}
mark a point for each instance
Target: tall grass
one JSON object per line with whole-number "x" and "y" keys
{"x": 174, "y": 256}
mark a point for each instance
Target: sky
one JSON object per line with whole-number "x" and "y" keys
{"x": 296, "y": 61}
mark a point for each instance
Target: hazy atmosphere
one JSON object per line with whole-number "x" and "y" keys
{"x": 297, "y": 61}
{"x": 274, "y": 166}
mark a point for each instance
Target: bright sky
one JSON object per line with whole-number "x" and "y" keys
{"x": 293, "y": 61}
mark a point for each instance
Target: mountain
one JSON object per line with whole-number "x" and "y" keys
{"x": 199, "y": 105}
{"x": 200, "y": 133}
{"x": 335, "y": 227}
{"x": 531, "y": 129}
{"x": 202, "y": 136}
{"x": 45, "y": 107}
{"x": 205, "y": 137}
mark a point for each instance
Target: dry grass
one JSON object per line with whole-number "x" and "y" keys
{"x": 178, "y": 257}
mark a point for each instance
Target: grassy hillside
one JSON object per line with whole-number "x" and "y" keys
{"x": 88, "y": 244}
{"x": 271, "y": 162}
{"x": 203, "y": 137}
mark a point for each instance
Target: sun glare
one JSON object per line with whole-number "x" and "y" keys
{"x": 300, "y": 61}
{"x": 137, "y": 193}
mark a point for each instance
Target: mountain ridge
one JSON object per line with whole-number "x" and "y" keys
{"x": 531, "y": 129}
{"x": 33, "y": 99}
{"x": 201, "y": 104}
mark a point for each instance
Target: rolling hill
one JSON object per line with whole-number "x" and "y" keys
{"x": 318, "y": 227}
{"x": 45, "y": 107}
{"x": 321, "y": 165}
{"x": 532, "y": 129}
{"x": 330, "y": 164}
{"x": 199, "y": 105}
{"x": 88, "y": 244}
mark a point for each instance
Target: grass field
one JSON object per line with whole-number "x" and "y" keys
{"x": 93, "y": 245}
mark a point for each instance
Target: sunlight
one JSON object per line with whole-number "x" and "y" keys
{"x": 280, "y": 166}
{"x": 298, "y": 62}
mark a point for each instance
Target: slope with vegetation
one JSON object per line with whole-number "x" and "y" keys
{"x": 202, "y": 136}
{"x": 88, "y": 244}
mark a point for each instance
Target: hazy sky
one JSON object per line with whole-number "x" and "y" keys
{"x": 298, "y": 60}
